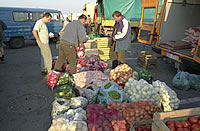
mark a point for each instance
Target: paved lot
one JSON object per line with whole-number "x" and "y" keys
{"x": 25, "y": 103}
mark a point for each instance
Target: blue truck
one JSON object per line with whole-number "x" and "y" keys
{"x": 20, "y": 22}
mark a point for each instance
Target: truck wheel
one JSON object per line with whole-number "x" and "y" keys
{"x": 133, "y": 35}
{"x": 16, "y": 43}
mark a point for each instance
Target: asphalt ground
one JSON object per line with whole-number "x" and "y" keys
{"x": 25, "y": 103}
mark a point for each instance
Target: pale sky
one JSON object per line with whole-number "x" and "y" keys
{"x": 66, "y": 6}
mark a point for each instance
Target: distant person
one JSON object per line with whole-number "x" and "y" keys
{"x": 41, "y": 35}
{"x": 64, "y": 24}
{"x": 89, "y": 21}
{"x": 73, "y": 34}
{"x": 3, "y": 27}
{"x": 121, "y": 39}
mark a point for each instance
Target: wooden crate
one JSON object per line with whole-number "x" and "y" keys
{"x": 160, "y": 119}
{"x": 103, "y": 39}
{"x": 138, "y": 124}
{"x": 89, "y": 52}
{"x": 147, "y": 59}
{"x": 90, "y": 45}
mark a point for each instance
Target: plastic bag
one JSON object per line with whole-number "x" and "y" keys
{"x": 194, "y": 81}
{"x": 52, "y": 79}
{"x": 65, "y": 78}
{"x": 91, "y": 92}
{"x": 59, "y": 124}
{"x": 80, "y": 50}
{"x": 181, "y": 80}
{"x": 111, "y": 92}
{"x": 66, "y": 92}
{"x": 60, "y": 106}
{"x": 77, "y": 126}
{"x": 77, "y": 102}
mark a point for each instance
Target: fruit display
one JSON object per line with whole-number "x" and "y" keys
{"x": 110, "y": 92}
{"x": 168, "y": 97}
{"x": 191, "y": 124}
{"x": 121, "y": 74}
{"x": 66, "y": 92}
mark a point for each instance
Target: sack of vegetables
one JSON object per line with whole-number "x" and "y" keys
{"x": 66, "y": 92}
{"x": 65, "y": 78}
{"x": 110, "y": 92}
{"x": 60, "y": 106}
{"x": 146, "y": 75}
{"x": 194, "y": 81}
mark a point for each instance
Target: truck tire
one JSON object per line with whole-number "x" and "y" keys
{"x": 16, "y": 43}
{"x": 133, "y": 35}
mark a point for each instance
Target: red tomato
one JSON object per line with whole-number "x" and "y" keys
{"x": 179, "y": 129}
{"x": 170, "y": 123}
{"x": 178, "y": 124}
{"x": 185, "y": 124}
{"x": 196, "y": 127}
{"x": 193, "y": 120}
{"x": 171, "y": 128}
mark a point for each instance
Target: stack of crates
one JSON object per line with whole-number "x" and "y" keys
{"x": 103, "y": 47}
{"x": 147, "y": 59}
{"x": 99, "y": 47}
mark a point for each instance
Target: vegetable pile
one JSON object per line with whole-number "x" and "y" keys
{"x": 110, "y": 92}
{"x": 168, "y": 97}
{"x": 101, "y": 118}
{"x": 66, "y": 92}
{"x": 52, "y": 79}
{"x": 192, "y": 124}
{"x": 121, "y": 74}
{"x": 83, "y": 79}
{"x": 65, "y": 78}
{"x": 91, "y": 63}
{"x": 136, "y": 111}
{"x": 141, "y": 90}
{"x": 146, "y": 75}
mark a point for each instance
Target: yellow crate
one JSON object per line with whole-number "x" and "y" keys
{"x": 89, "y": 52}
{"x": 103, "y": 39}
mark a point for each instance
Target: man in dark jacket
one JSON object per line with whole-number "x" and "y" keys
{"x": 3, "y": 27}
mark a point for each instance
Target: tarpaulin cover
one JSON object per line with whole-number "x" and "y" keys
{"x": 131, "y": 9}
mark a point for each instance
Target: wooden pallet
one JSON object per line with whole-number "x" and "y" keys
{"x": 147, "y": 60}
{"x": 160, "y": 119}
{"x": 138, "y": 124}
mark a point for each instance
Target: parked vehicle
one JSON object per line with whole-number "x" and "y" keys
{"x": 174, "y": 18}
{"x": 131, "y": 9}
{"x": 20, "y": 22}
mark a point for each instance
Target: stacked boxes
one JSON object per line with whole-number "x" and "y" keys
{"x": 99, "y": 47}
